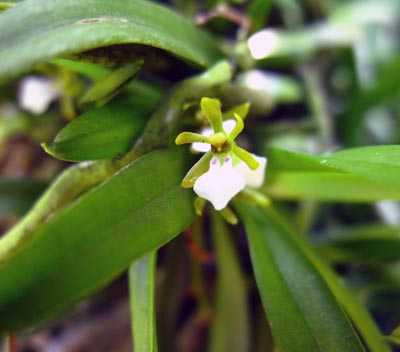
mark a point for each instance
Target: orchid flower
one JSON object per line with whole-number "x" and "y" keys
{"x": 36, "y": 93}
{"x": 225, "y": 169}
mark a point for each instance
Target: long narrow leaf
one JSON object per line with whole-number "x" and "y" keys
{"x": 142, "y": 299}
{"x": 354, "y": 175}
{"x": 87, "y": 244}
{"x": 293, "y": 290}
{"x": 56, "y": 28}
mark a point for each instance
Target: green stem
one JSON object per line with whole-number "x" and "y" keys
{"x": 197, "y": 269}
{"x": 79, "y": 178}
{"x": 230, "y": 330}
{"x": 317, "y": 105}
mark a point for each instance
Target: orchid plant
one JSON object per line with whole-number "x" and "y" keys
{"x": 104, "y": 232}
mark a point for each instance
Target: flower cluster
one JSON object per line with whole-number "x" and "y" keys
{"x": 225, "y": 169}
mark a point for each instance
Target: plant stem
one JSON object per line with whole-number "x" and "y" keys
{"x": 197, "y": 235}
{"x": 317, "y": 105}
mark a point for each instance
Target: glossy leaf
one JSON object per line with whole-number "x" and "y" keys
{"x": 100, "y": 133}
{"x": 55, "y": 28}
{"x": 86, "y": 245}
{"x": 142, "y": 276}
{"x": 293, "y": 291}
{"x": 356, "y": 311}
{"x": 360, "y": 174}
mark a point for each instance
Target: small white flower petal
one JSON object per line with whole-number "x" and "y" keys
{"x": 253, "y": 178}
{"x": 263, "y": 43}
{"x": 220, "y": 183}
{"x": 201, "y": 147}
{"x": 36, "y": 94}
{"x": 228, "y": 126}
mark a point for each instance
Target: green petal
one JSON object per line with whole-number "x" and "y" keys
{"x": 229, "y": 216}
{"x": 238, "y": 127}
{"x": 189, "y": 137}
{"x": 246, "y": 157}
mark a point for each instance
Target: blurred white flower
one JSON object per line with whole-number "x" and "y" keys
{"x": 263, "y": 43}
{"x": 36, "y": 94}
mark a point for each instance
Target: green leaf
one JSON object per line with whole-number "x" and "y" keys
{"x": 142, "y": 300}
{"x": 293, "y": 291}
{"x": 55, "y": 28}
{"x": 259, "y": 12}
{"x": 230, "y": 330}
{"x": 353, "y": 175}
{"x": 212, "y": 109}
{"x": 106, "y": 88}
{"x": 100, "y": 133}
{"x": 90, "y": 242}
{"x": 365, "y": 244}
{"x": 16, "y": 196}
{"x": 87, "y": 69}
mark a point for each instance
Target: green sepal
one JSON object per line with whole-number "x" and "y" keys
{"x": 242, "y": 110}
{"x": 229, "y": 216}
{"x": 254, "y": 197}
{"x": 199, "y": 204}
{"x": 212, "y": 110}
{"x": 197, "y": 170}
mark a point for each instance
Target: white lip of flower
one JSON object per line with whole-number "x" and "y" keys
{"x": 36, "y": 93}
{"x": 220, "y": 183}
{"x": 228, "y": 126}
{"x": 224, "y": 181}
{"x": 253, "y": 178}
